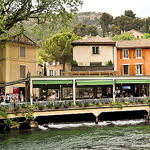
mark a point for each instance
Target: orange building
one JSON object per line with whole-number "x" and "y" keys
{"x": 133, "y": 57}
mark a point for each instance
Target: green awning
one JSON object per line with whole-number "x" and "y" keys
{"x": 52, "y": 81}
{"x": 94, "y": 82}
{"x": 130, "y": 81}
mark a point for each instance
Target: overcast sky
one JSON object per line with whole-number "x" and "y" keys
{"x": 117, "y": 7}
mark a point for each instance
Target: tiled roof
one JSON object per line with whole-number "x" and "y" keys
{"x": 143, "y": 43}
{"x": 93, "y": 40}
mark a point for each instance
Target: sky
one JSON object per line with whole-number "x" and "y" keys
{"x": 117, "y": 7}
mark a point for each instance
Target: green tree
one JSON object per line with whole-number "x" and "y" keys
{"x": 138, "y": 23}
{"x": 115, "y": 30}
{"x": 59, "y": 48}
{"x": 50, "y": 11}
{"x": 124, "y": 22}
{"x": 130, "y": 13}
{"x": 123, "y": 37}
{"x": 80, "y": 29}
{"x": 92, "y": 30}
{"x": 45, "y": 70}
{"x": 105, "y": 21}
{"x": 40, "y": 60}
{"x": 146, "y": 36}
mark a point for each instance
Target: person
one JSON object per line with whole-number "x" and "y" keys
{"x": 7, "y": 98}
{"x": 144, "y": 95}
{"x": 1, "y": 98}
{"x": 14, "y": 102}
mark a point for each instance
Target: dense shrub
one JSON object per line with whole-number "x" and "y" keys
{"x": 86, "y": 104}
{"x": 24, "y": 106}
{"x": 66, "y": 106}
{"x": 40, "y": 107}
{"x": 57, "y": 106}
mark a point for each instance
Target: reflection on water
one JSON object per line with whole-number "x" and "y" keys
{"x": 116, "y": 135}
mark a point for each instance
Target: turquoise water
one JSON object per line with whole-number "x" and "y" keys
{"x": 80, "y": 136}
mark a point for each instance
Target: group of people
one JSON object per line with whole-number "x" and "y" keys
{"x": 8, "y": 99}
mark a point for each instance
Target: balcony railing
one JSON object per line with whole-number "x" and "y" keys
{"x": 92, "y": 68}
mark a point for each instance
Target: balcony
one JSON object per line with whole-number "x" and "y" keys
{"x": 92, "y": 70}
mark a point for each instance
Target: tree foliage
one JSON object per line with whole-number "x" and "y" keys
{"x": 59, "y": 48}
{"x": 115, "y": 30}
{"x": 146, "y": 36}
{"x": 130, "y": 14}
{"x": 81, "y": 30}
{"x": 50, "y": 11}
{"x": 122, "y": 37}
{"x": 105, "y": 21}
{"x": 123, "y": 22}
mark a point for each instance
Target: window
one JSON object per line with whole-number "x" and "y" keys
{"x": 61, "y": 72}
{"x": 125, "y": 69}
{"x": 139, "y": 70}
{"x": 51, "y": 72}
{"x": 138, "y": 53}
{"x": 126, "y": 53}
{"x": 95, "y": 50}
{"x": 22, "y": 51}
{"x": 22, "y": 71}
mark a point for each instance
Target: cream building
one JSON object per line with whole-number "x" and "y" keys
{"x": 17, "y": 56}
{"x": 95, "y": 52}
{"x": 136, "y": 33}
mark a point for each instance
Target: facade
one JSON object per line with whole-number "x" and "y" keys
{"x": 18, "y": 56}
{"x": 133, "y": 57}
{"x": 55, "y": 68}
{"x": 136, "y": 34}
{"x": 92, "y": 54}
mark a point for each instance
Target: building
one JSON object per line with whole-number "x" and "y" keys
{"x": 133, "y": 57}
{"x": 93, "y": 54}
{"x": 55, "y": 68}
{"x": 136, "y": 34}
{"x": 18, "y": 56}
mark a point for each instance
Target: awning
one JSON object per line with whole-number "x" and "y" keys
{"x": 94, "y": 82}
{"x": 129, "y": 81}
{"x": 52, "y": 82}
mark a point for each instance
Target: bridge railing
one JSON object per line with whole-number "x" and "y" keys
{"x": 82, "y": 101}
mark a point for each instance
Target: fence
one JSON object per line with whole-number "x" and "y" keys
{"x": 82, "y": 101}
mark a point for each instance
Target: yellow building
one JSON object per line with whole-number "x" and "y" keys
{"x": 17, "y": 56}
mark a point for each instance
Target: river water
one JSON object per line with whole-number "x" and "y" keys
{"x": 107, "y": 135}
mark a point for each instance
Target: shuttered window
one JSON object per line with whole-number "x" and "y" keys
{"x": 22, "y": 71}
{"x": 22, "y": 51}
{"x": 125, "y": 69}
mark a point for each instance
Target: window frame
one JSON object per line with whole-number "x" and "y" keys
{"x": 137, "y": 50}
{"x": 125, "y": 50}
{"x": 22, "y": 76}
{"x": 20, "y": 54}
{"x": 128, "y": 69}
{"x": 95, "y": 50}
{"x": 141, "y": 72}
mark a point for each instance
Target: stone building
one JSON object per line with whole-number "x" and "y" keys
{"x": 18, "y": 56}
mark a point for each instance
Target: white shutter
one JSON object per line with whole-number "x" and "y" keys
{"x": 58, "y": 72}
{"x": 48, "y": 72}
{"x": 47, "y": 63}
{"x": 53, "y": 72}
{"x": 58, "y": 63}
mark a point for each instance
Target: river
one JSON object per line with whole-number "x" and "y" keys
{"x": 107, "y": 135}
